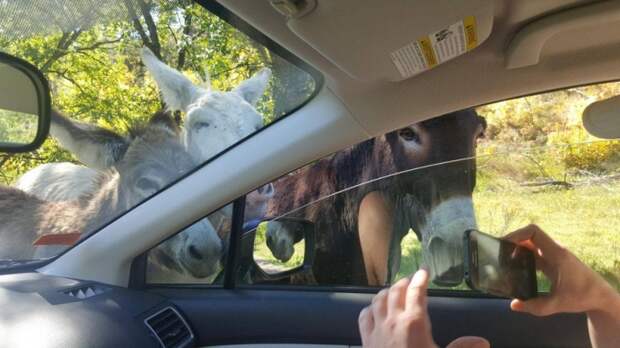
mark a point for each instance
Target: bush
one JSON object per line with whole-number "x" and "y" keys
{"x": 582, "y": 152}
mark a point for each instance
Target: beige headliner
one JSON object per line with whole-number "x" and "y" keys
{"x": 570, "y": 58}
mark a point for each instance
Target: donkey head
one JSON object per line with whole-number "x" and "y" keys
{"x": 154, "y": 158}
{"x": 215, "y": 119}
{"x": 144, "y": 162}
{"x": 438, "y": 201}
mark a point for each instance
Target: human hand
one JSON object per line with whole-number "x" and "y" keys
{"x": 574, "y": 286}
{"x": 398, "y": 317}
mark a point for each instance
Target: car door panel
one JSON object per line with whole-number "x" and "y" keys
{"x": 223, "y": 317}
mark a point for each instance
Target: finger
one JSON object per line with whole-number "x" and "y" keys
{"x": 469, "y": 342}
{"x": 540, "y": 306}
{"x": 379, "y": 305}
{"x": 396, "y": 296}
{"x": 533, "y": 234}
{"x": 415, "y": 301}
{"x": 365, "y": 322}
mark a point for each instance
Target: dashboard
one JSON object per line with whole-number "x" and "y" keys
{"x": 39, "y": 310}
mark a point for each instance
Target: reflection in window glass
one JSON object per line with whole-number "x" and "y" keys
{"x": 112, "y": 72}
{"x": 195, "y": 255}
{"x": 534, "y": 163}
{"x": 18, "y": 127}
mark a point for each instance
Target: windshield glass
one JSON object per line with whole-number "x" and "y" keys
{"x": 143, "y": 93}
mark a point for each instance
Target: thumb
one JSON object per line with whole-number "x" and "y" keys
{"x": 540, "y": 306}
{"x": 469, "y": 342}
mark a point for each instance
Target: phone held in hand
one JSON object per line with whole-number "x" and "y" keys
{"x": 499, "y": 267}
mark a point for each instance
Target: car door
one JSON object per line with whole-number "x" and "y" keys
{"x": 321, "y": 309}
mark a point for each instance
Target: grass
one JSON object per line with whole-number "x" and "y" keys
{"x": 584, "y": 219}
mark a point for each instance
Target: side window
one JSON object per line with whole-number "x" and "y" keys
{"x": 378, "y": 211}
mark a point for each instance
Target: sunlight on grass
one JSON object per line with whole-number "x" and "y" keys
{"x": 584, "y": 219}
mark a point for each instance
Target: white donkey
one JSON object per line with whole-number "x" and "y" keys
{"x": 152, "y": 160}
{"x": 215, "y": 120}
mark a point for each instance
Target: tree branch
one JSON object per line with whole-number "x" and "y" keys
{"x": 66, "y": 40}
{"x": 63, "y": 74}
{"x": 187, "y": 30}
{"x": 238, "y": 66}
{"x": 152, "y": 28}
{"x": 133, "y": 17}
{"x": 97, "y": 45}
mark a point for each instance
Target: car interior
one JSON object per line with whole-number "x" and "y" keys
{"x": 367, "y": 69}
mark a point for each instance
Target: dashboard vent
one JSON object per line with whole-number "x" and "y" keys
{"x": 170, "y": 328}
{"x": 86, "y": 291}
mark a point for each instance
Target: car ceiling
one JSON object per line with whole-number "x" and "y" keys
{"x": 589, "y": 53}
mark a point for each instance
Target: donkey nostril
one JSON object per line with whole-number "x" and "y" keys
{"x": 193, "y": 252}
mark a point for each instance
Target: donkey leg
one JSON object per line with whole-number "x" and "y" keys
{"x": 375, "y": 234}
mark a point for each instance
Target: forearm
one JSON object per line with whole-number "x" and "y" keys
{"x": 604, "y": 321}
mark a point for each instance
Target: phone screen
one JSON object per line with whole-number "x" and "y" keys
{"x": 500, "y": 267}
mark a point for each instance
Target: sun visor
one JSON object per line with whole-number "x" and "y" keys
{"x": 393, "y": 40}
{"x": 602, "y": 118}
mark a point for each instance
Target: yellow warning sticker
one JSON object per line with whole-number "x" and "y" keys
{"x": 429, "y": 52}
{"x": 470, "y": 32}
{"x": 436, "y": 48}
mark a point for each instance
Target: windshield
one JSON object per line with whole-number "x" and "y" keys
{"x": 143, "y": 93}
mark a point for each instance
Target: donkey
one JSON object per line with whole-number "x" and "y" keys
{"x": 154, "y": 158}
{"x": 215, "y": 120}
{"x": 434, "y": 199}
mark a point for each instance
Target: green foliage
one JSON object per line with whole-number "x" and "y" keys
{"x": 17, "y": 127}
{"x": 96, "y": 74}
{"x": 550, "y": 120}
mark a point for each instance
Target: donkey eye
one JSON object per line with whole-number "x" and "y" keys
{"x": 147, "y": 185}
{"x": 409, "y": 134}
{"x": 481, "y": 134}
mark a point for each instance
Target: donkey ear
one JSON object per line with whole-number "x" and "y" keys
{"x": 177, "y": 90}
{"x": 96, "y": 147}
{"x": 253, "y": 88}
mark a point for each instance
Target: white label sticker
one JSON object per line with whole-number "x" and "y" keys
{"x": 409, "y": 60}
{"x": 436, "y": 48}
{"x": 449, "y": 43}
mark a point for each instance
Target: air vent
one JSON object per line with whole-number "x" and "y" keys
{"x": 86, "y": 291}
{"x": 170, "y": 328}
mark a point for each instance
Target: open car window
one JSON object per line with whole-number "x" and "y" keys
{"x": 371, "y": 214}
{"x": 388, "y": 206}
{"x": 144, "y": 92}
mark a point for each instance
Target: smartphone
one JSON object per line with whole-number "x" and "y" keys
{"x": 499, "y": 267}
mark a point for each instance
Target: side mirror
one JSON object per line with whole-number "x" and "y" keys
{"x": 25, "y": 105}
{"x": 282, "y": 247}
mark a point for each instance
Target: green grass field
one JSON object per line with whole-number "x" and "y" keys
{"x": 585, "y": 219}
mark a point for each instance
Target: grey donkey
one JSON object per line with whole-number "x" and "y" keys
{"x": 154, "y": 157}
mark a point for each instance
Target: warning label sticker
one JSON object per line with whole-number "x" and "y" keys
{"x": 436, "y": 48}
